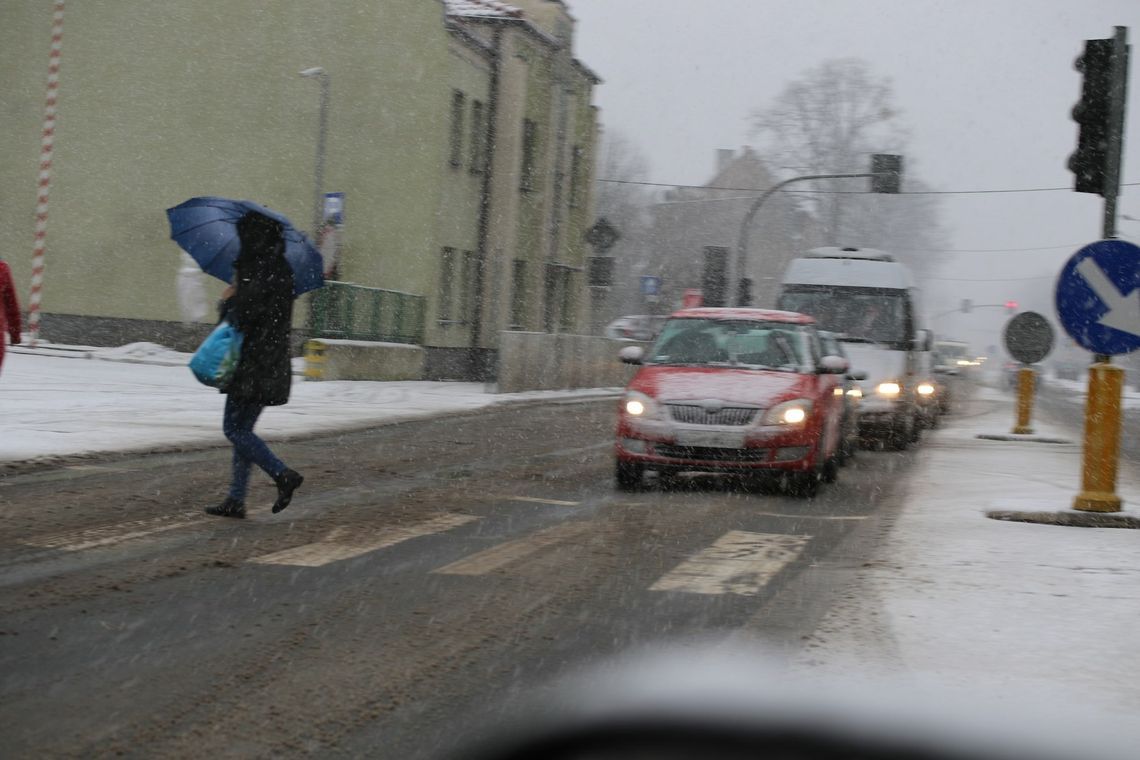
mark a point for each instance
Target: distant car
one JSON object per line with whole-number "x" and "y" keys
{"x": 745, "y": 390}
{"x": 635, "y": 327}
{"x": 852, "y": 397}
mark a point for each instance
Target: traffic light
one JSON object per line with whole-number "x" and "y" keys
{"x": 967, "y": 304}
{"x": 1090, "y": 162}
{"x": 886, "y": 173}
{"x": 1011, "y": 307}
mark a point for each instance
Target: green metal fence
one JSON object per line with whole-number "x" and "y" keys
{"x": 354, "y": 312}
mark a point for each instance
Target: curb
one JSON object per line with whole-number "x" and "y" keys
{"x": 1072, "y": 519}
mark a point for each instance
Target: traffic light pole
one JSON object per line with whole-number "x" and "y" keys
{"x": 1115, "y": 148}
{"x": 742, "y": 239}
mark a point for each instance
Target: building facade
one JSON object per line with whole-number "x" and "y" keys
{"x": 159, "y": 103}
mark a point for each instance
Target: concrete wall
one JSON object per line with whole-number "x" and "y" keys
{"x": 362, "y": 360}
{"x": 553, "y": 361}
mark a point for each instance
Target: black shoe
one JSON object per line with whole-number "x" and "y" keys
{"x": 287, "y": 482}
{"x": 228, "y": 508}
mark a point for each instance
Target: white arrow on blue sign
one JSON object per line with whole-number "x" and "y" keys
{"x": 1098, "y": 297}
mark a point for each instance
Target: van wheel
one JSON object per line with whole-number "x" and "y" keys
{"x": 830, "y": 471}
{"x": 628, "y": 475}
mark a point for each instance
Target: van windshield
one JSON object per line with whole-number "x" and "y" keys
{"x": 877, "y": 316}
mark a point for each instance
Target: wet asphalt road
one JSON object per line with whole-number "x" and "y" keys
{"x": 426, "y": 573}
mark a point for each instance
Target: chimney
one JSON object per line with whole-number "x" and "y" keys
{"x": 724, "y": 157}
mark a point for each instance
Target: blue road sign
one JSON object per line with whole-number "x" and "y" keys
{"x": 650, "y": 285}
{"x": 1098, "y": 297}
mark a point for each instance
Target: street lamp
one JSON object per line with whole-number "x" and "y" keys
{"x": 318, "y": 73}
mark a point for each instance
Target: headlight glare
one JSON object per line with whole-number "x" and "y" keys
{"x": 793, "y": 412}
{"x": 925, "y": 389}
{"x": 888, "y": 389}
{"x": 640, "y": 405}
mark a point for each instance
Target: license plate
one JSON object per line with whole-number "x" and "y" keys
{"x": 712, "y": 439}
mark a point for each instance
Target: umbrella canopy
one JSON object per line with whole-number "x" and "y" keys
{"x": 206, "y": 228}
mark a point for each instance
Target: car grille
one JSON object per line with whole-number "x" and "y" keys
{"x": 707, "y": 454}
{"x": 694, "y": 414}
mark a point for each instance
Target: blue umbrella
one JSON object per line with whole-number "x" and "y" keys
{"x": 206, "y": 228}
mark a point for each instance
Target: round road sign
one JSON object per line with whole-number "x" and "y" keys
{"x": 1028, "y": 337}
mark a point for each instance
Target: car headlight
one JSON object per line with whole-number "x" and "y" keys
{"x": 925, "y": 389}
{"x": 793, "y": 412}
{"x": 889, "y": 390}
{"x": 855, "y": 392}
{"x": 641, "y": 406}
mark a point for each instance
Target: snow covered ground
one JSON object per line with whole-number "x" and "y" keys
{"x": 61, "y": 401}
{"x": 1001, "y": 607}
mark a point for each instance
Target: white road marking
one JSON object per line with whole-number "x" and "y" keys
{"x": 739, "y": 563}
{"x": 810, "y": 517}
{"x": 534, "y": 500}
{"x": 106, "y": 535}
{"x": 341, "y": 544}
{"x": 499, "y": 556}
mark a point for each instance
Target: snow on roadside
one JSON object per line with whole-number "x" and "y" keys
{"x": 54, "y": 406}
{"x": 996, "y": 607}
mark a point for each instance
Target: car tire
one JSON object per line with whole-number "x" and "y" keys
{"x": 628, "y": 475}
{"x": 803, "y": 485}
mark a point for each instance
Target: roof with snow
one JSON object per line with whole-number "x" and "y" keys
{"x": 482, "y": 9}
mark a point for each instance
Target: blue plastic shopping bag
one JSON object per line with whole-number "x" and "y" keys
{"x": 216, "y": 360}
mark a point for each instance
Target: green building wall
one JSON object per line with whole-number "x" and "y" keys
{"x": 159, "y": 102}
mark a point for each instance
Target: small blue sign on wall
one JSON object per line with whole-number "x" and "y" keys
{"x": 1098, "y": 297}
{"x": 650, "y": 285}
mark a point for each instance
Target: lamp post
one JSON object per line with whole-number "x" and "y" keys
{"x": 322, "y": 76}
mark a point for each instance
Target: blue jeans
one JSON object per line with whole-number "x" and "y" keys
{"x": 238, "y": 425}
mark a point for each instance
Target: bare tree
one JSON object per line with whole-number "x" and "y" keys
{"x": 830, "y": 120}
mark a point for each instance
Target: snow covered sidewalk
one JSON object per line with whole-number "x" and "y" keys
{"x": 75, "y": 401}
{"x": 1003, "y": 607}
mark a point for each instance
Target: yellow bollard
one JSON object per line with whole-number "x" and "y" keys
{"x": 315, "y": 359}
{"x": 1102, "y": 440}
{"x": 1026, "y": 383}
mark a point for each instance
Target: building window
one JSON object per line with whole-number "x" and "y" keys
{"x": 446, "y": 284}
{"x": 478, "y": 138}
{"x": 529, "y": 151}
{"x": 576, "y": 163}
{"x": 457, "y": 105}
{"x": 518, "y": 294}
{"x": 566, "y": 323}
{"x": 472, "y": 285}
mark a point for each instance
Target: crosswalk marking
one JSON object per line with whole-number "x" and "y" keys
{"x": 535, "y": 500}
{"x": 738, "y": 563}
{"x": 106, "y": 535}
{"x": 341, "y": 544}
{"x": 499, "y": 556}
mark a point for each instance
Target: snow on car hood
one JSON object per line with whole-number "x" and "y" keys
{"x": 751, "y": 387}
{"x": 880, "y": 363}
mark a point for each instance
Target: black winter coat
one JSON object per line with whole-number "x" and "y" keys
{"x": 262, "y": 309}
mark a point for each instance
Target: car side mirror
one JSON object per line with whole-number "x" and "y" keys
{"x": 632, "y": 355}
{"x": 857, "y": 375}
{"x": 833, "y": 365}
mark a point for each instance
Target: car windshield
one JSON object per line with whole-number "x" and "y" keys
{"x": 857, "y": 316}
{"x": 749, "y": 344}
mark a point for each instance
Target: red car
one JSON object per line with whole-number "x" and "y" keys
{"x": 733, "y": 390}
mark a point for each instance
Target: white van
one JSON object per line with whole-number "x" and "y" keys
{"x": 870, "y": 300}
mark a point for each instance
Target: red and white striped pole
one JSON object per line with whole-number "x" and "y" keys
{"x": 47, "y": 145}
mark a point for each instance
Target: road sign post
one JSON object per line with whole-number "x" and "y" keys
{"x": 1099, "y": 307}
{"x": 1029, "y": 339}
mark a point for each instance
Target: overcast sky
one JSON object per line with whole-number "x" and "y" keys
{"x": 985, "y": 88}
